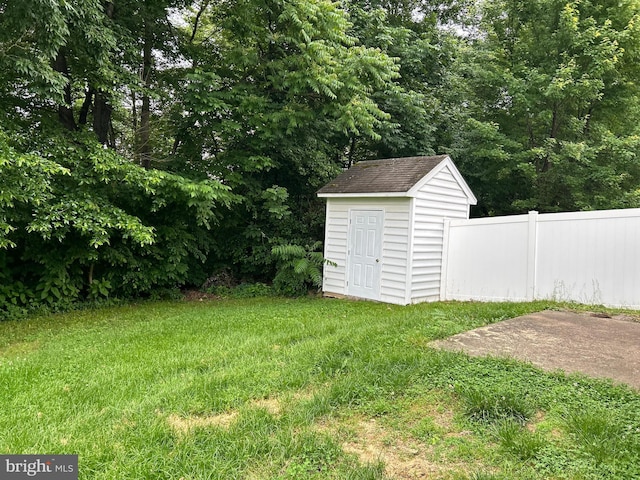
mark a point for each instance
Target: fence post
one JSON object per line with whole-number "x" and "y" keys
{"x": 445, "y": 259}
{"x": 532, "y": 253}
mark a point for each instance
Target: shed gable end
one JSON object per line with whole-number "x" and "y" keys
{"x": 441, "y": 197}
{"x": 452, "y": 181}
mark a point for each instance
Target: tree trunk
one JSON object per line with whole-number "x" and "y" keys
{"x": 86, "y": 105}
{"x": 553, "y": 133}
{"x": 352, "y": 151}
{"x": 587, "y": 122}
{"x": 555, "y": 122}
{"x": 65, "y": 111}
{"x": 202, "y": 9}
{"x": 134, "y": 112}
{"x": 102, "y": 109}
{"x": 144, "y": 147}
{"x": 102, "y": 117}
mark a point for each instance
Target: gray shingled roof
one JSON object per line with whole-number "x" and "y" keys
{"x": 383, "y": 176}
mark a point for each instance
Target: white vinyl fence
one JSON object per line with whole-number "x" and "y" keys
{"x": 585, "y": 257}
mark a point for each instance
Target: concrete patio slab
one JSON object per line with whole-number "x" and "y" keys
{"x": 592, "y": 344}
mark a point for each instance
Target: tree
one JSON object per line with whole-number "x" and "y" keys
{"x": 553, "y": 86}
{"x": 55, "y": 52}
{"x": 414, "y": 34}
{"x": 274, "y": 93}
{"x": 78, "y": 220}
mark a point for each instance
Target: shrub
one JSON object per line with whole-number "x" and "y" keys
{"x": 78, "y": 221}
{"x": 299, "y": 268}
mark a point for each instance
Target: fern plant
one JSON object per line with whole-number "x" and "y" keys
{"x": 299, "y": 268}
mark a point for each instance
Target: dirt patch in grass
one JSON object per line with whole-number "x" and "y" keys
{"x": 442, "y": 417}
{"x": 185, "y": 425}
{"x": 429, "y": 417}
{"x": 404, "y": 457}
{"x": 275, "y": 405}
{"x": 307, "y": 393}
{"x": 532, "y": 424}
{"x": 539, "y": 423}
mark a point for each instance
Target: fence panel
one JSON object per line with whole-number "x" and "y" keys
{"x": 486, "y": 259}
{"x": 590, "y": 257}
{"x": 586, "y": 257}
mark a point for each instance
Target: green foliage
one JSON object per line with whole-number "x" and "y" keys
{"x": 244, "y": 290}
{"x": 276, "y": 92}
{"x": 424, "y": 54}
{"x": 31, "y": 33}
{"x": 15, "y": 297}
{"x": 79, "y": 221}
{"x": 548, "y": 85}
{"x": 538, "y": 103}
{"x": 99, "y": 289}
{"x": 298, "y": 268}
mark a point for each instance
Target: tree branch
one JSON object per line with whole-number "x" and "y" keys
{"x": 203, "y": 7}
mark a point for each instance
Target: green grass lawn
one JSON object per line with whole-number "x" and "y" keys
{"x": 293, "y": 389}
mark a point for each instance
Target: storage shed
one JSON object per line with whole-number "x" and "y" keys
{"x": 384, "y": 227}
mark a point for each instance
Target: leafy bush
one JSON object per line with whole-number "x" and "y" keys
{"x": 78, "y": 221}
{"x": 299, "y": 268}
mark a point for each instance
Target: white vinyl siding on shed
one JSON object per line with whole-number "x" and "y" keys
{"x": 416, "y": 195}
{"x": 441, "y": 197}
{"x": 335, "y": 250}
{"x": 395, "y": 241}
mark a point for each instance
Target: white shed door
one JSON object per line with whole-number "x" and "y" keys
{"x": 364, "y": 255}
